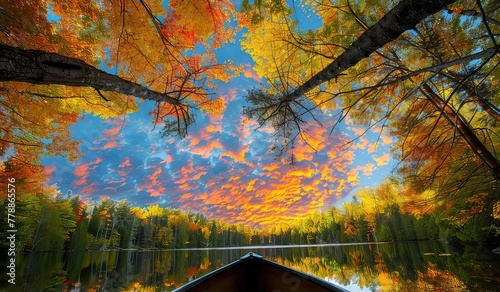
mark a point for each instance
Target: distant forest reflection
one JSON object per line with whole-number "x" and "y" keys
{"x": 399, "y": 266}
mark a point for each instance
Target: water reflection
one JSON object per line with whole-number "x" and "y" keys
{"x": 402, "y": 266}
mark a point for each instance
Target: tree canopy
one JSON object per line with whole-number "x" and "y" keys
{"x": 424, "y": 72}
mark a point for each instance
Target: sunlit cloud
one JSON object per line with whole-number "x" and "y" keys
{"x": 49, "y": 169}
{"x": 250, "y": 73}
{"x": 225, "y": 167}
{"x": 368, "y": 169}
{"x": 82, "y": 171}
{"x": 125, "y": 163}
{"x": 110, "y": 145}
{"x": 386, "y": 140}
{"x": 383, "y": 160}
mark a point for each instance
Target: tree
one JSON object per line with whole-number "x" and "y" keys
{"x": 458, "y": 123}
{"x": 40, "y": 67}
{"x": 446, "y": 141}
{"x": 57, "y": 60}
{"x": 124, "y": 221}
{"x": 284, "y": 111}
{"x": 179, "y": 224}
{"x": 60, "y": 61}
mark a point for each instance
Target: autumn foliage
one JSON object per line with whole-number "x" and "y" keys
{"x": 430, "y": 81}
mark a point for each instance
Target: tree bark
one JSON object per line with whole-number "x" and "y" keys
{"x": 40, "y": 67}
{"x": 488, "y": 107}
{"x": 457, "y": 122}
{"x": 404, "y": 16}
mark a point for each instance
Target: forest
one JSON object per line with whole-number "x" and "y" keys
{"x": 68, "y": 223}
{"x": 424, "y": 72}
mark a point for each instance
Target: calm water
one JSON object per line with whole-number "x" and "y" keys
{"x": 403, "y": 266}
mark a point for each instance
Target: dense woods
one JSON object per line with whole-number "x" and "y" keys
{"x": 423, "y": 72}
{"x": 66, "y": 222}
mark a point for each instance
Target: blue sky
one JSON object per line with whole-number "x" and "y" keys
{"x": 225, "y": 168}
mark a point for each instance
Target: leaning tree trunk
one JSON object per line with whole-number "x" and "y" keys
{"x": 488, "y": 107}
{"x": 40, "y": 67}
{"x": 404, "y": 16}
{"x": 457, "y": 122}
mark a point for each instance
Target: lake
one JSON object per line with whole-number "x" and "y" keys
{"x": 400, "y": 266}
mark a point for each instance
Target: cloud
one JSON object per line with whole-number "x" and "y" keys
{"x": 110, "y": 145}
{"x": 125, "y": 163}
{"x": 153, "y": 183}
{"x": 250, "y": 73}
{"x": 82, "y": 171}
{"x": 386, "y": 140}
{"x": 112, "y": 132}
{"x": 383, "y": 160}
{"x": 264, "y": 195}
{"x": 368, "y": 169}
{"x": 49, "y": 169}
{"x": 225, "y": 168}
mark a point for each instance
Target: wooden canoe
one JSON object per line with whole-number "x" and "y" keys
{"x": 253, "y": 272}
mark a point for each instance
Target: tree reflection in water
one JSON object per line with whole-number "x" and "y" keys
{"x": 400, "y": 266}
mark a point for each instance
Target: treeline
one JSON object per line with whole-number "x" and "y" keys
{"x": 57, "y": 223}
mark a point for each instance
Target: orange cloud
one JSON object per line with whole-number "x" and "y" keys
{"x": 186, "y": 196}
{"x": 368, "y": 169}
{"x": 386, "y": 139}
{"x": 125, "y": 163}
{"x": 205, "y": 150}
{"x": 154, "y": 176}
{"x": 203, "y": 143}
{"x": 236, "y": 155}
{"x": 383, "y": 160}
{"x": 152, "y": 184}
{"x": 110, "y": 145}
{"x": 168, "y": 159}
{"x": 97, "y": 161}
{"x": 88, "y": 189}
{"x": 82, "y": 171}
{"x": 112, "y": 132}
{"x": 280, "y": 192}
{"x": 372, "y": 147}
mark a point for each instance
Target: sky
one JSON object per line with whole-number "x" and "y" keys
{"x": 225, "y": 168}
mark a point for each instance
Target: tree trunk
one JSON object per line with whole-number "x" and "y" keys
{"x": 39, "y": 67}
{"x": 488, "y": 107}
{"x": 476, "y": 94}
{"x": 457, "y": 122}
{"x": 404, "y": 16}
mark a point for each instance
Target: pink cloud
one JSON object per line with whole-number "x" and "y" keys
{"x": 110, "y": 145}
{"x": 88, "y": 189}
{"x": 49, "y": 169}
{"x": 82, "y": 171}
{"x": 250, "y": 73}
{"x": 126, "y": 162}
{"x": 112, "y": 132}
{"x": 152, "y": 184}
